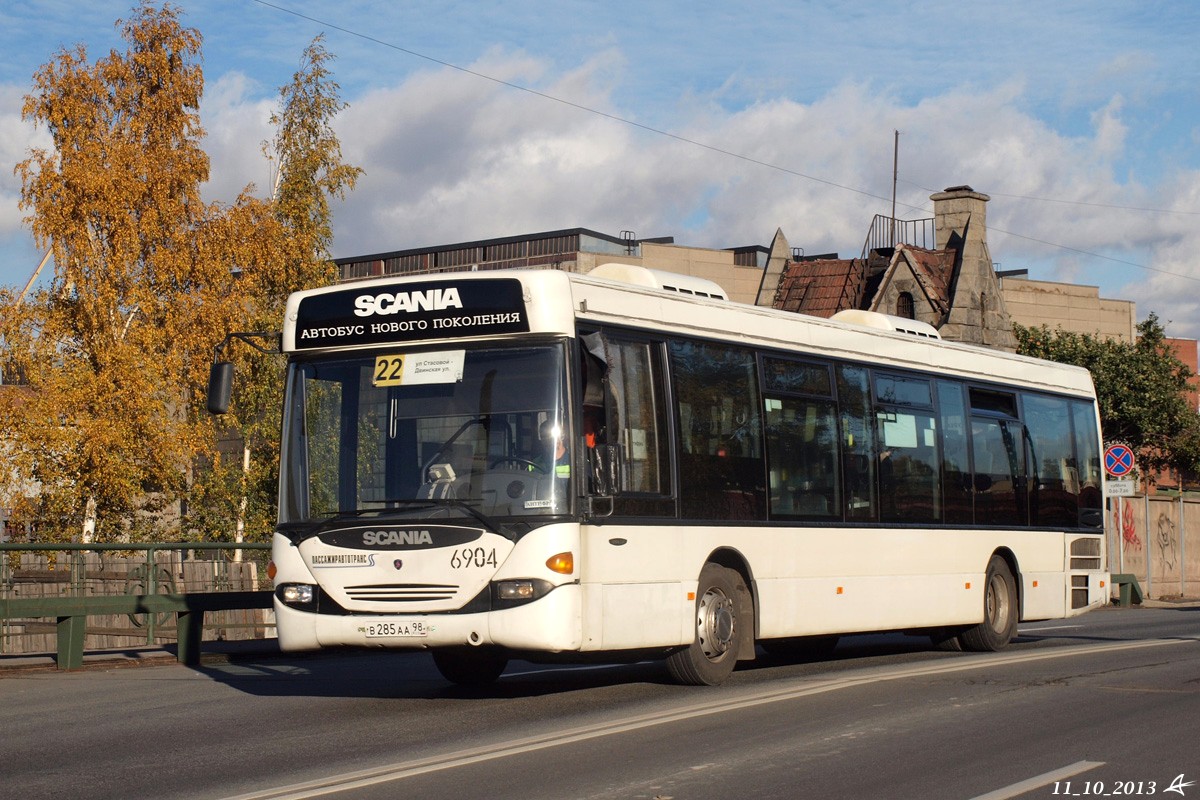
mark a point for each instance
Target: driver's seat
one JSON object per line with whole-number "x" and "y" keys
{"x": 439, "y": 484}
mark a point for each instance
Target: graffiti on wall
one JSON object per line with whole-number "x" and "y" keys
{"x": 1167, "y": 539}
{"x": 1153, "y": 538}
{"x": 1123, "y": 520}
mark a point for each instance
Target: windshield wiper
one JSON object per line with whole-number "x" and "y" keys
{"x": 487, "y": 522}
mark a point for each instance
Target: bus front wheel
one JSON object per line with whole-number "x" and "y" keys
{"x": 470, "y": 666}
{"x": 999, "y": 611}
{"x": 721, "y": 624}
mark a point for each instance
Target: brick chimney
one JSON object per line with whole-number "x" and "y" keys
{"x": 978, "y": 314}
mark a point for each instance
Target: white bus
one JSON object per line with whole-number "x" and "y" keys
{"x": 563, "y": 466}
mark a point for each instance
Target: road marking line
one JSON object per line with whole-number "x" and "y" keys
{"x": 1045, "y": 779}
{"x": 1048, "y": 628}
{"x": 559, "y": 670}
{"x": 392, "y": 772}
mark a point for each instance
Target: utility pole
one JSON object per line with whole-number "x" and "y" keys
{"x": 895, "y": 173}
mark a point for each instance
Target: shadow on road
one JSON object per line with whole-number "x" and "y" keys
{"x": 412, "y": 675}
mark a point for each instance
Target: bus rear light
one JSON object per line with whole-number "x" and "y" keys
{"x": 562, "y": 563}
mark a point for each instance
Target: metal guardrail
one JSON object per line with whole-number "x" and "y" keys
{"x": 71, "y": 610}
{"x": 1129, "y": 591}
{"x": 71, "y": 614}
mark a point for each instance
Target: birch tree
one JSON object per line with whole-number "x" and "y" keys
{"x": 107, "y": 348}
{"x": 115, "y": 349}
{"x": 148, "y": 279}
{"x": 239, "y": 493}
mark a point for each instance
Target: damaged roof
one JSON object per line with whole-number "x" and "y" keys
{"x": 824, "y": 286}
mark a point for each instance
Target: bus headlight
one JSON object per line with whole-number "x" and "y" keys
{"x": 520, "y": 590}
{"x": 297, "y": 594}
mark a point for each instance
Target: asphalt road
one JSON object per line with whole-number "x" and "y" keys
{"x": 1102, "y": 705}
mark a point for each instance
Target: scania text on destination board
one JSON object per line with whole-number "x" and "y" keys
{"x": 376, "y": 314}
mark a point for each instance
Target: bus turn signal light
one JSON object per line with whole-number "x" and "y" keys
{"x": 562, "y": 563}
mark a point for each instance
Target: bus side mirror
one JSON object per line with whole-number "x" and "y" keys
{"x": 220, "y": 387}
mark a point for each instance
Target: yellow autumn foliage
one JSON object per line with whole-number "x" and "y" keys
{"x": 148, "y": 280}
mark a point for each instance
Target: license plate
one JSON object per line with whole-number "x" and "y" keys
{"x": 389, "y": 630}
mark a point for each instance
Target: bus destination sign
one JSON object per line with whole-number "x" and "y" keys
{"x": 408, "y": 312}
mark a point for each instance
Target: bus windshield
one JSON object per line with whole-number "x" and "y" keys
{"x": 483, "y": 429}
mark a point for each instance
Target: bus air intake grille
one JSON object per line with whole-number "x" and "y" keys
{"x": 402, "y": 592}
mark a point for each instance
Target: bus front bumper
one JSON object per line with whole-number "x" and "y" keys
{"x": 552, "y": 623}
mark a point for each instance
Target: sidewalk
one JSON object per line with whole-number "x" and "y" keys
{"x": 1175, "y": 602}
{"x": 216, "y": 652}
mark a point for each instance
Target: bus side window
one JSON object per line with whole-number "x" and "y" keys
{"x": 802, "y": 458}
{"x": 720, "y": 459}
{"x": 1087, "y": 460}
{"x": 857, "y": 443}
{"x": 956, "y": 464}
{"x": 803, "y": 470}
{"x": 998, "y": 448}
{"x": 624, "y": 425}
{"x": 1053, "y": 471}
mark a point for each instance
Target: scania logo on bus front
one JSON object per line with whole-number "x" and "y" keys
{"x": 391, "y": 538}
{"x": 398, "y": 536}
{"x": 384, "y": 303}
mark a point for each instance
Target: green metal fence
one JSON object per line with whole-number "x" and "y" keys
{"x": 151, "y": 592}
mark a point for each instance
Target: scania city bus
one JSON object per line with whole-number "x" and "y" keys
{"x": 626, "y": 465}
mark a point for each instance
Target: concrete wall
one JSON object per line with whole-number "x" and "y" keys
{"x": 1158, "y": 540}
{"x": 1069, "y": 306}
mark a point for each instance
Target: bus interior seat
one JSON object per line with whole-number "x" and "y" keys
{"x": 810, "y": 503}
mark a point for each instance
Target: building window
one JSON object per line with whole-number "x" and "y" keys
{"x": 904, "y": 306}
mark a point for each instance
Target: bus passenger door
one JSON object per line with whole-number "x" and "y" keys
{"x": 632, "y": 591}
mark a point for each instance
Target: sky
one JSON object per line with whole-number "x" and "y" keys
{"x": 714, "y": 123}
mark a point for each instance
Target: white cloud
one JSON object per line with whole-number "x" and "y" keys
{"x": 453, "y": 158}
{"x": 450, "y": 157}
{"x": 236, "y": 123}
{"x": 18, "y": 259}
{"x": 17, "y": 138}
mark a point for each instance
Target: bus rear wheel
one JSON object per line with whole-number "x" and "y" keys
{"x": 999, "y": 611}
{"x": 470, "y": 666}
{"x": 721, "y": 624}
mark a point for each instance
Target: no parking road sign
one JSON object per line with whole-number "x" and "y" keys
{"x": 1118, "y": 460}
